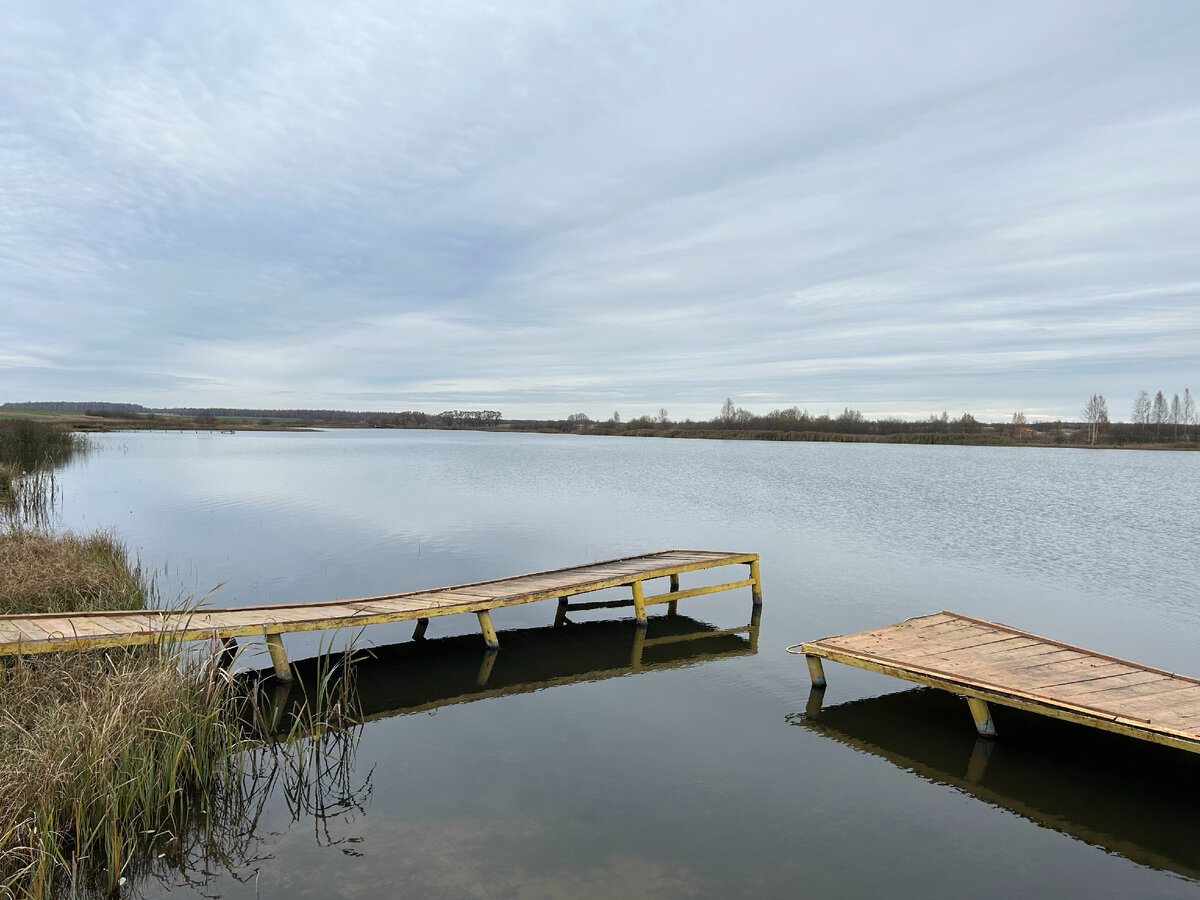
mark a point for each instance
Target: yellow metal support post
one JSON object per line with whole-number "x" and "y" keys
{"x": 489, "y": 632}
{"x": 755, "y": 627}
{"x": 816, "y": 671}
{"x": 757, "y": 589}
{"x": 983, "y": 717}
{"x": 673, "y": 606}
{"x": 639, "y": 603}
{"x": 278, "y": 657}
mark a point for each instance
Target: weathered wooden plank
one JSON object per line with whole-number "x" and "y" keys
{"x": 71, "y": 628}
{"x": 49, "y": 632}
{"x": 989, "y": 662}
{"x": 28, "y": 631}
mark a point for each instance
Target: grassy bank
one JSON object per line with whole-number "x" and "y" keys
{"x": 123, "y": 764}
{"x": 98, "y": 751}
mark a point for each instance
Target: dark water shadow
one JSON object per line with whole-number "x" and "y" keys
{"x": 1125, "y": 796}
{"x": 423, "y": 675}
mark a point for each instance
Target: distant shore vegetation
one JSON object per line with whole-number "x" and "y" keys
{"x": 1157, "y": 421}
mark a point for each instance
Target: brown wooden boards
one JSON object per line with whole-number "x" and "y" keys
{"x": 54, "y": 632}
{"x": 988, "y": 662}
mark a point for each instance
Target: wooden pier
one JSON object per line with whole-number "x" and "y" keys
{"x": 46, "y": 633}
{"x": 989, "y": 663}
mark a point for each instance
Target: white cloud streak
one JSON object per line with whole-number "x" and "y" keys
{"x": 547, "y": 208}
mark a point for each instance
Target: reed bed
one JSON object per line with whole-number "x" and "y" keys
{"x": 27, "y": 444}
{"x": 122, "y": 764}
{"x": 45, "y": 573}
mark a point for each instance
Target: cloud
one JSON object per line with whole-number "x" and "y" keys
{"x": 536, "y": 207}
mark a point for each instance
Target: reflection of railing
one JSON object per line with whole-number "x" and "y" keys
{"x": 1126, "y": 797}
{"x": 429, "y": 674}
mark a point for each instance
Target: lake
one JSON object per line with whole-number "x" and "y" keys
{"x": 586, "y": 766}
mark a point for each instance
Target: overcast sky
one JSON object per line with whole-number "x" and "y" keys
{"x": 552, "y": 207}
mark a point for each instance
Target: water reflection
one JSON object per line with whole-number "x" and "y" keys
{"x": 425, "y": 675}
{"x": 1125, "y": 796}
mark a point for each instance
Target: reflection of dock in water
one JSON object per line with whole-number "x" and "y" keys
{"x": 423, "y": 675}
{"x": 1126, "y": 797}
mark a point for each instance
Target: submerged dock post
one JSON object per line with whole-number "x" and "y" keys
{"x": 278, "y": 657}
{"x": 560, "y": 615}
{"x": 419, "y": 631}
{"x": 756, "y": 596}
{"x": 816, "y": 671}
{"x": 983, "y": 717}
{"x": 639, "y": 603}
{"x": 673, "y": 605}
{"x": 489, "y": 632}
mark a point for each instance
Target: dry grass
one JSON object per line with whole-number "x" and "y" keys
{"x": 101, "y": 755}
{"x": 127, "y": 763}
{"x": 65, "y": 573}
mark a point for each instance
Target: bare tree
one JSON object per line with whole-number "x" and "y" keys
{"x": 1189, "y": 411}
{"x": 728, "y": 412}
{"x": 1020, "y": 426}
{"x": 1141, "y": 412}
{"x": 1095, "y": 413}
{"x": 1176, "y": 414}
{"x": 1160, "y": 414}
{"x": 662, "y": 416}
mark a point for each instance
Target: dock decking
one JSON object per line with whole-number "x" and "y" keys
{"x": 987, "y": 662}
{"x": 55, "y": 632}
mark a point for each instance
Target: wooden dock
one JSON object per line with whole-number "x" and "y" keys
{"x": 990, "y": 663}
{"x": 48, "y": 633}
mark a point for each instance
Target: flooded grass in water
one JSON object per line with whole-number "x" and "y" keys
{"x": 130, "y": 762}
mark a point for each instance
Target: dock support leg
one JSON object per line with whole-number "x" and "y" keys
{"x": 673, "y": 606}
{"x": 755, "y": 627}
{"x": 639, "y": 603}
{"x": 816, "y": 671}
{"x": 983, "y": 718}
{"x": 757, "y": 587}
{"x": 560, "y": 615}
{"x": 419, "y": 631}
{"x": 489, "y": 632}
{"x": 279, "y": 658}
{"x": 228, "y": 654}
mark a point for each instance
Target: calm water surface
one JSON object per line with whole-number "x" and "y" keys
{"x": 590, "y": 766}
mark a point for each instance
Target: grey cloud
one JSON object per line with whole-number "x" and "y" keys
{"x": 540, "y": 207}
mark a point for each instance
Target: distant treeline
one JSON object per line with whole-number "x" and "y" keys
{"x": 453, "y": 418}
{"x": 1155, "y": 421}
{"x": 1167, "y": 423}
